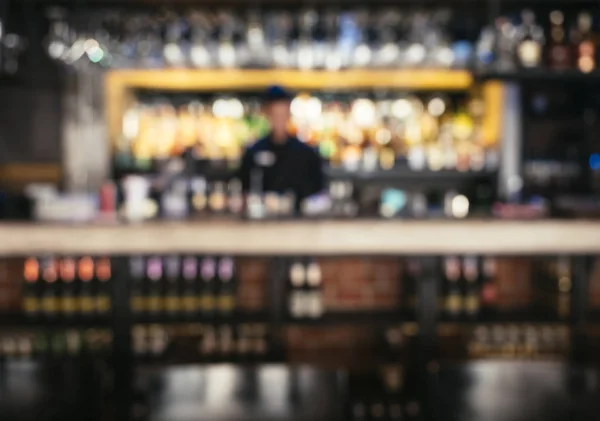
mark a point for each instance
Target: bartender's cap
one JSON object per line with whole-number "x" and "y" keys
{"x": 276, "y": 93}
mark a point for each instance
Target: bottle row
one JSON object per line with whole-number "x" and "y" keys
{"x": 519, "y": 341}
{"x": 245, "y": 342}
{"x": 332, "y": 40}
{"x": 141, "y": 198}
{"x": 364, "y": 131}
{"x": 66, "y": 287}
{"x": 563, "y": 43}
{"x": 58, "y": 344}
{"x": 183, "y": 287}
{"x": 251, "y": 342}
{"x": 488, "y": 288}
{"x": 305, "y": 39}
{"x": 305, "y": 294}
{"x": 380, "y": 395}
{"x": 383, "y": 410}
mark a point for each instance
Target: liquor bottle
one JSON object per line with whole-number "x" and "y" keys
{"x": 173, "y": 50}
{"x": 563, "y": 287}
{"x": 137, "y": 274}
{"x": 305, "y": 46}
{"x": 587, "y": 43}
{"x": 226, "y": 343}
{"x": 32, "y": 286}
{"x": 297, "y": 279}
{"x": 49, "y": 299}
{"x": 388, "y": 52}
{"x": 358, "y": 412}
{"x": 68, "y": 301}
{"x": 40, "y": 345}
{"x": 235, "y": 201}
{"x": 489, "y": 290}
{"x": 261, "y": 344}
{"x": 217, "y": 200}
{"x": 173, "y": 305}
{"x": 174, "y": 201}
{"x": 314, "y": 296}
{"x": 199, "y": 195}
{"x": 255, "y": 38}
{"x": 8, "y": 348}
{"x": 139, "y": 341}
{"x": 154, "y": 286}
{"x": 58, "y": 345}
{"x": 102, "y": 291}
{"x": 189, "y": 272}
{"x": 243, "y": 342}
{"x": 439, "y": 52}
{"x": 199, "y": 53}
{"x": 272, "y": 204}
{"x": 484, "y": 50}
{"x": 530, "y": 41}
{"x": 471, "y": 301}
{"x": 278, "y": 28}
{"x": 506, "y": 41}
{"x": 452, "y": 292}
{"x": 208, "y": 342}
{"x": 85, "y": 276}
{"x": 226, "y": 286}
{"x": 208, "y": 274}
{"x": 25, "y": 346}
{"x": 73, "y": 343}
{"x": 226, "y": 52}
{"x": 158, "y": 341}
{"x": 394, "y": 411}
{"x": 377, "y": 411}
{"x": 333, "y": 59}
{"x": 409, "y": 285}
{"x": 416, "y": 53}
{"x": 559, "y": 53}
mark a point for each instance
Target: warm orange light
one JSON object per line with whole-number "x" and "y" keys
{"x": 67, "y": 270}
{"x": 49, "y": 274}
{"x": 103, "y": 271}
{"x": 31, "y": 270}
{"x": 86, "y": 269}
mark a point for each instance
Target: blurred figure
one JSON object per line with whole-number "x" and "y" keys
{"x": 281, "y": 163}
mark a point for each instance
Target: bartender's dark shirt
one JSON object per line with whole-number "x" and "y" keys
{"x": 291, "y": 166}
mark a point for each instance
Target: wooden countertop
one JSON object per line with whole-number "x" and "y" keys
{"x": 306, "y": 237}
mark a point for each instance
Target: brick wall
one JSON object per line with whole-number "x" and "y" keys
{"x": 10, "y": 285}
{"x": 254, "y": 275}
{"x": 594, "y": 286}
{"x": 361, "y": 284}
{"x": 514, "y": 283}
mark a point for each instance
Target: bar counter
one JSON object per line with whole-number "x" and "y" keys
{"x": 305, "y": 237}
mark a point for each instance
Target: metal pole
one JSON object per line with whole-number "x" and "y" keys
{"x": 427, "y": 318}
{"x": 122, "y": 355}
{"x": 579, "y": 307}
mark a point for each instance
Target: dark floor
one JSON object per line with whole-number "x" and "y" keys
{"x": 486, "y": 391}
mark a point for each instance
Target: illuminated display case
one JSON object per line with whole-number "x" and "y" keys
{"x": 432, "y": 119}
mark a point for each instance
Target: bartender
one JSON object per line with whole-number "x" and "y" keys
{"x": 280, "y": 163}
